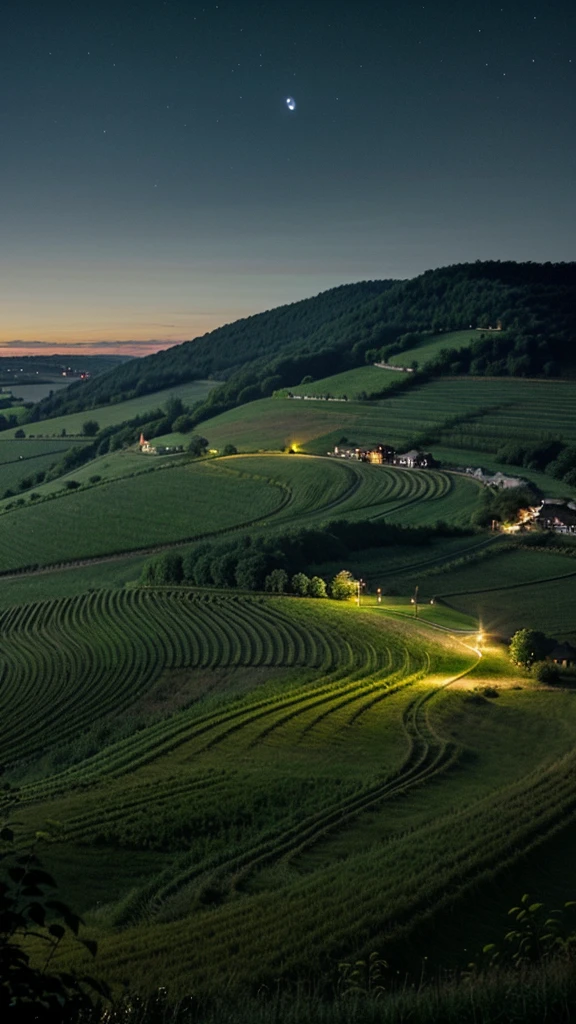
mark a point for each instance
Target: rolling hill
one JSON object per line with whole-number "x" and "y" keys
{"x": 341, "y": 328}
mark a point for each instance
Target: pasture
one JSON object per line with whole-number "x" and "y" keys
{"x": 431, "y": 346}
{"x": 512, "y": 590}
{"x": 464, "y": 420}
{"x": 22, "y": 459}
{"x": 350, "y": 383}
{"x": 245, "y": 787}
{"x": 108, "y": 415}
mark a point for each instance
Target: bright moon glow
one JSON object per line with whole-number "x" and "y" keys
{"x": 291, "y": 103}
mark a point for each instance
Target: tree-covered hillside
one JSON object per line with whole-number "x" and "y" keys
{"x": 222, "y": 352}
{"x": 535, "y": 304}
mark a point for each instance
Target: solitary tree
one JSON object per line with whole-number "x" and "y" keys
{"x": 229, "y": 449}
{"x": 343, "y": 586}
{"x": 90, "y": 428}
{"x": 528, "y": 646}
{"x": 197, "y": 445}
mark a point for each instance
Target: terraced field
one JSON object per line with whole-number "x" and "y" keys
{"x": 186, "y": 501}
{"x": 290, "y": 779}
{"x": 513, "y": 590}
{"x": 463, "y": 419}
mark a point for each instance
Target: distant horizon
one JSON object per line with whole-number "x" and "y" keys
{"x": 158, "y": 185}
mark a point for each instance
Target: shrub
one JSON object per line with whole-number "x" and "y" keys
{"x": 546, "y": 672}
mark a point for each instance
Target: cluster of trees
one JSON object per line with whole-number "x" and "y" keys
{"x": 502, "y": 505}
{"x": 267, "y": 563}
{"x": 246, "y": 573}
{"x": 551, "y": 456}
{"x": 529, "y": 648}
{"x": 334, "y": 331}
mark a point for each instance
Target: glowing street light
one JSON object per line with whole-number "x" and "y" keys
{"x": 379, "y": 592}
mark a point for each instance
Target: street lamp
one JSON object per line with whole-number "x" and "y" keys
{"x": 359, "y": 585}
{"x": 379, "y": 592}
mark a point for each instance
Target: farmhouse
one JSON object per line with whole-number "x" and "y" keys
{"x": 499, "y": 480}
{"x": 380, "y": 455}
{"x": 383, "y": 454}
{"x": 564, "y": 655}
{"x": 346, "y": 453}
{"x": 415, "y": 459}
{"x": 150, "y": 449}
{"x": 559, "y": 516}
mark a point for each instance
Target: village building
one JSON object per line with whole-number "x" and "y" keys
{"x": 384, "y": 455}
{"x": 150, "y": 449}
{"x": 499, "y": 480}
{"x": 381, "y": 455}
{"x": 563, "y": 655}
{"x": 557, "y": 515}
{"x": 415, "y": 459}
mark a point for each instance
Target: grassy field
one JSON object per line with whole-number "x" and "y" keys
{"x": 464, "y": 420}
{"x": 430, "y": 347}
{"x": 350, "y": 383}
{"x": 195, "y": 499}
{"x": 249, "y": 786}
{"x": 22, "y": 459}
{"x": 240, "y": 790}
{"x": 153, "y": 508}
{"x": 513, "y": 590}
{"x": 69, "y": 582}
{"x": 106, "y": 416}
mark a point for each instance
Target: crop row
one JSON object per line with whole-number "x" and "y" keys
{"x": 368, "y": 899}
{"x": 68, "y": 663}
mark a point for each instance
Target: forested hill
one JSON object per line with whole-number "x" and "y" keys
{"x": 221, "y": 352}
{"x": 535, "y": 304}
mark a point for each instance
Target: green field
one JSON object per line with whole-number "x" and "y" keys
{"x": 196, "y": 499}
{"x": 512, "y": 590}
{"x": 247, "y": 785}
{"x": 241, "y": 789}
{"x": 108, "y": 415}
{"x": 464, "y": 420}
{"x": 39, "y": 457}
{"x": 187, "y": 502}
{"x": 430, "y": 347}
{"x": 350, "y": 383}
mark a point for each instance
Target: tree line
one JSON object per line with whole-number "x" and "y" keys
{"x": 280, "y": 563}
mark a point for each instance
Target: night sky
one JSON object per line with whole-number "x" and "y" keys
{"x": 155, "y": 183}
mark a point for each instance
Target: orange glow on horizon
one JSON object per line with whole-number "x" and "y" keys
{"x": 135, "y": 339}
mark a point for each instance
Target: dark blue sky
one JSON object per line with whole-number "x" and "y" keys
{"x": 155, "y": 184}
